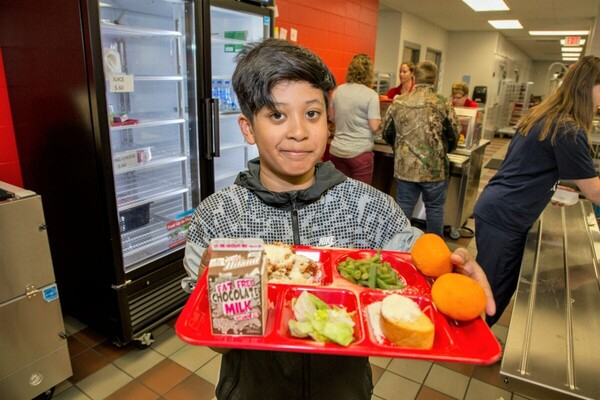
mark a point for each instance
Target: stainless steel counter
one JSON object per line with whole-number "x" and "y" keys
{"x": 463, "y": 187}
{"x": 553, "y": 342}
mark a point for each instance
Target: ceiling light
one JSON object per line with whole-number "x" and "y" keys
{"x": 570, "y": 58}
{"x": 571, "y": 49}
{"x": 506, "y": 24}
{"x": 581, "y": 42}
{"x": 487, "y": 5}
{"x": 559, "y": 33}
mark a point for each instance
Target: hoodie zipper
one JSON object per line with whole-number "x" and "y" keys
{"x": 295, "y": 228}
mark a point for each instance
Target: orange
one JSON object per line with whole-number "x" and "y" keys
{"x": 431, "y": 255}
{"x": 458, "y": 296}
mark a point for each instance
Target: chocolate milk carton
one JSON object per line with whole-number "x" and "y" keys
{"x": 237, "y": 287}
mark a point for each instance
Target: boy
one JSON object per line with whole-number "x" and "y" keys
{"x": 288, "y": 195}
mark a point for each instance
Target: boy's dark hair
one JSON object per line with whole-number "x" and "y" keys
{"x": 262, "y": 65}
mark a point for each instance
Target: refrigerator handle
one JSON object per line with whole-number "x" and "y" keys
{"x": 216, "y": 133}
{"x": 213, "y": 142}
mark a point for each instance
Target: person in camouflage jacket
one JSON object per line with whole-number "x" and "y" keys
{"x": 418, "y": 122}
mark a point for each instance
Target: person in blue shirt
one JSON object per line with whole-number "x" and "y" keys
{"x": 552, "y": 143}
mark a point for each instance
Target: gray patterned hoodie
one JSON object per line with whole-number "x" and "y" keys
{"x": 335, "y": 211}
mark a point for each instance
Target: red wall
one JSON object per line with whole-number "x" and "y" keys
{"x": 10, "y": 170}
{"x": 334, "y": 29}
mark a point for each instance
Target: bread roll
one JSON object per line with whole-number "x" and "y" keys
{"x": 404, "y": 324}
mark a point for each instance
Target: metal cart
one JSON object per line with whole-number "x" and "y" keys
{"x": 34, "y": 351}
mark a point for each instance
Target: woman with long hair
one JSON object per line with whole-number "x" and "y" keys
{"x": 552, "y": 143}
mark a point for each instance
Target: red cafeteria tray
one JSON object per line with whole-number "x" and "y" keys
{"x": 466, "y": 342}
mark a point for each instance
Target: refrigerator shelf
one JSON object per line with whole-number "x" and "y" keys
{"x": 157, "y": 150}
{"x": 141, "y": 238}
{"x": 152, "y": 164}
{"x": 158, "y": 234}
{"x": 157, "y": 241}
{"x": 157, "y": 195}
{"x": 134, "y": 190}
{"x": 148, "y": 122}
{"x": 230, "y": 114}
{"x": 225, "y": 173}
{"x": 232, "y": 145}
{"x": 155, "y": 78}
{"x": 111, "y": 29}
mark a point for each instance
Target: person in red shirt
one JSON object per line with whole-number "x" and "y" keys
{"x": 407, "y": 80}
{"x": 460, "y": 93}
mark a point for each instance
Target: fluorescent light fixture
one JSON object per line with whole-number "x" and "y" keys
{"x": 581, "y": 41}
{"x": 487, "y": 5}
{"x": 570, "y": 58}
{"x": 506, "y": 24}
{"x": 559, "y": 33}
{"x": 571, "y": 49}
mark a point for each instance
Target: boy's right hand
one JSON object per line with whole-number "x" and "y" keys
{"x": 465, "y": 264}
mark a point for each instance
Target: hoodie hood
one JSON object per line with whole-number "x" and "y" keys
{"x": 326, "y": 177}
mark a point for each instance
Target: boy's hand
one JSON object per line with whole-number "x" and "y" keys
{"x": 465, "y": 264}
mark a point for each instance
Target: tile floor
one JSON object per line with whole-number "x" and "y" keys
{"x": 171, "y": 369}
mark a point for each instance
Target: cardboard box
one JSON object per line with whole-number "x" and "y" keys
{"x": 237, "y": 287}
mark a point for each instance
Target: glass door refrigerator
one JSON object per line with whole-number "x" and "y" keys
{"x": 232, "y": 25}
{"x": 117, "y": 128}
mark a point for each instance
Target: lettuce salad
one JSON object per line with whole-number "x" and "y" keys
{"x": 316, "y": 319}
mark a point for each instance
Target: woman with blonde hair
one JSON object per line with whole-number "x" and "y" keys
{"x": 552, "y": 142}
{"x": 357, "y": 117}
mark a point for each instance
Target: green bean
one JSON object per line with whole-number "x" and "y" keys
{"x": 382, "y": 285}
{"x": 347, "y": 276}
{"x": 372, "y": 275}
{"x": 345, "y": 269}
{"x": 370, "y": 272}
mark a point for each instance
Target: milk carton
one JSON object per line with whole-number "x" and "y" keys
{"x": 237, "y": 287}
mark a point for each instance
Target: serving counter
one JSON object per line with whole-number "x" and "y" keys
{"x": 465, "y": 172}
{"x": 553, "y": 345}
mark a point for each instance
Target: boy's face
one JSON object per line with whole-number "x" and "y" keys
{"x": 290, "y": 140}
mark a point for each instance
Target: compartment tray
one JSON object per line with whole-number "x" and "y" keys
{"x": 466, "y": 342}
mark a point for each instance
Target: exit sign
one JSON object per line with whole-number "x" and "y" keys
{"x": 572, "y": 40}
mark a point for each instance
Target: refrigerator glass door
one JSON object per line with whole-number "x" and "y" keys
{"x": 150, "y": 75}
{"x": 230, "y": 31}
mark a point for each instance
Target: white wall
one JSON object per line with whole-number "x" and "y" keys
{"x": 593, "y": 48}
{"x": 386, "y": 48}
{"x": 479, "y": 55}
{"x": 470, "y": 54}
{"x": 428, "y": 36}
{"x": 486, "y": 57}
{"x": 394, "y": 29}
